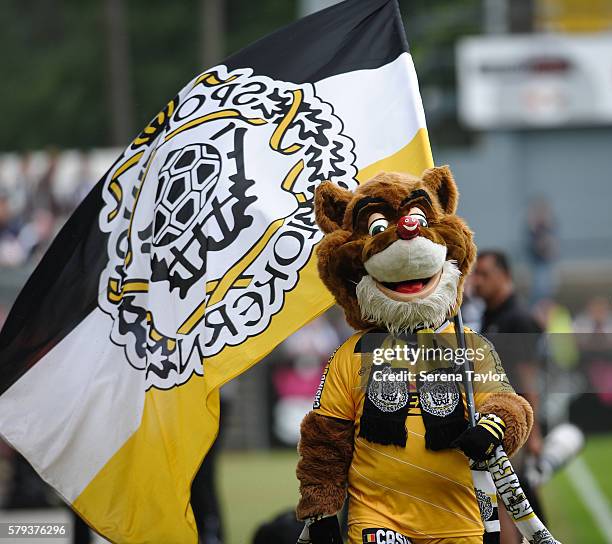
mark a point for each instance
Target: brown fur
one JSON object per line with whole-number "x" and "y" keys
{"x": 517, "y": 415}
{"x": 326, "y": 450}
{"x": 326, "y": 444}
{"x": 330, "y": 205}
{"x": 344, "y": 249}
{"x": 440, "y": 180}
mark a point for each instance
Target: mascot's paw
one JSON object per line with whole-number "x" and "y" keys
{"x": 321, "y": 530}
{"x": 479, "y": 442}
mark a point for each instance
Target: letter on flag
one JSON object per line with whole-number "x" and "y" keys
{"x": 193, "y": 258}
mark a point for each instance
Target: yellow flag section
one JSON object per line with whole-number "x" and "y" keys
{"x": 178, "y": 425}
{"x": 157, "y": 462}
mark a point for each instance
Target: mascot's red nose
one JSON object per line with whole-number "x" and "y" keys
{"x": 407, "y": 227}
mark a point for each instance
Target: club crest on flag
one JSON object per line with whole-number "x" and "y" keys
{"x": 238, "y": 159}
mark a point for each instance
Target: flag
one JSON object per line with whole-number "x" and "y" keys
{"x": 192, "y": 258}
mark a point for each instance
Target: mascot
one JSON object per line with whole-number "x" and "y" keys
{"x": 388, "y": 425}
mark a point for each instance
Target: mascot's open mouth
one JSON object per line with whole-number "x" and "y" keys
{"x": 407, "y": 270}
{"x": 427, "y": 303}
{"x": 410, "y": 289}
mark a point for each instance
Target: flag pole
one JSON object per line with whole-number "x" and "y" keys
{"x": 506, "y": 481}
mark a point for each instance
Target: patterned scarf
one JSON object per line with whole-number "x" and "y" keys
{"x": 388, "y": 399}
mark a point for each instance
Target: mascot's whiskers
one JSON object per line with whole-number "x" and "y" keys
{"x": 397, "y": 316}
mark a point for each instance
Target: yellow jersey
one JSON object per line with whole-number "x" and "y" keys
{"x": 412, "y": 490}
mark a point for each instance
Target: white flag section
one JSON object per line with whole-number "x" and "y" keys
{"x": 210, "y": 235}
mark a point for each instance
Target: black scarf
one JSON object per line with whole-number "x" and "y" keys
{"x": 387, "y": 403}
{"x": 441, "y": 409}
{"x": 385, "y": 408}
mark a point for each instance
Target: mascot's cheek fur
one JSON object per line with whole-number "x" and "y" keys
{"x": 341, "y": 269}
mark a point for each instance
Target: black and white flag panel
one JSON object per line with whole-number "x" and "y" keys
{"x": 193, "y": 257}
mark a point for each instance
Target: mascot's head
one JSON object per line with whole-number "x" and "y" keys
{"x": 394, "y": 253}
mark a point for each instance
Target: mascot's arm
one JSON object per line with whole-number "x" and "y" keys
{"x": 516, "y": 414}
{"x": 499, "y": 398}
{"x": 326, "y": 451}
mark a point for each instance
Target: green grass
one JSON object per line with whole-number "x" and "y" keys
{"x": 256, "y": 486}
{"x": 569, "y": 519}
{"x": 598, "y": 455}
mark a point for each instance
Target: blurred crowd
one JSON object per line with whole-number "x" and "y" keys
{"x": 37, "y": 193}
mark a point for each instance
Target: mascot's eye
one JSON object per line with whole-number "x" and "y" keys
{"x": 420, "y": 218}
{"x": 377, "y": 226}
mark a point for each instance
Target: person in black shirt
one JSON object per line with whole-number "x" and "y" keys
{"x": 515, "y": 335}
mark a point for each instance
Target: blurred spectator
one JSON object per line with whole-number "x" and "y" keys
{"x": 542, "y": 249}
{"x": 503, "y": 319}
{"x": 11, "y": 252}
{"x": 26, "y": 489}
{"x": 563, "y": 379}
{"x": 593, "y": 327}
{"x": 472, "y": 306}
{"x": 297, "y": 374}
{"x": 596, "y": 318}
{"x": 204, "y": 489}
{"x": 205, "y": 497}
{"x": 556, "y": 321}
{"x": 43, "y": 194}
{"x": 283, "y": 529}
{"x": 34, "y": 200}
{"x": 22, "y": 185}
{"x": 37, "y": 234}
{"x": 84, "y": 181}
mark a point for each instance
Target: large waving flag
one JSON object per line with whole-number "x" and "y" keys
{"x": 192, "y": 258}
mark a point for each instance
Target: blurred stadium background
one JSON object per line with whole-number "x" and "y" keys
{"x": 518, "y": 97}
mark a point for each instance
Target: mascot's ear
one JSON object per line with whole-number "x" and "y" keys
{"x": 330, "y": 205}
{"x": 440, "y": 181}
